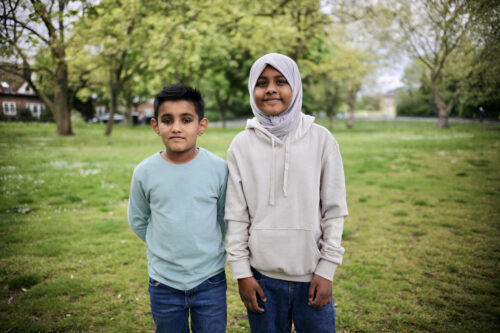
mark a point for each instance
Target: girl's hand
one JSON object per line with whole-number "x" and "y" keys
{"x": 320, "y": 292}
{"x": 249, "y": 289}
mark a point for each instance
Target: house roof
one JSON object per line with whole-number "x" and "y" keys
{"x": 10, "y": 82}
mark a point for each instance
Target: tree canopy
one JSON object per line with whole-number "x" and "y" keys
{"x": 121, "y": 52}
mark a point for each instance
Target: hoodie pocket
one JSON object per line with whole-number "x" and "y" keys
{"x": 288, "y": 251}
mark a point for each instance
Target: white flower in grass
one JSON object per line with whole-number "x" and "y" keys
{"x": 88, "y": 172}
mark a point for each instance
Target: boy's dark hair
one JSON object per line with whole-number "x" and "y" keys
{"x": 180, "y": 92}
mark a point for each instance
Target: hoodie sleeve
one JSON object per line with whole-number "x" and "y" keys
{"x": 333, "y": 212}
{"x": 238, "y": 222}
{"x": 138, "y": 211}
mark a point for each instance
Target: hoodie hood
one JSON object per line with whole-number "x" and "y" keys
{"x": 283, "y": 123}
{"x": 305, "y": 123}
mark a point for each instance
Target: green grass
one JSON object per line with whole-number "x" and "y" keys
{"x": 422, "y": 239}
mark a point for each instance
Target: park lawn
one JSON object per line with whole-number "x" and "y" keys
{"x": 422, "y": 239}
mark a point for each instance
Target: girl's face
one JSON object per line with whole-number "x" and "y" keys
{"x": 272, "y": 93}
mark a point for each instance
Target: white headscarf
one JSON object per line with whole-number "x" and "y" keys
{"x": 281, "y": 124}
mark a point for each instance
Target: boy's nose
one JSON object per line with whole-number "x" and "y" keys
{"x": 176, "y": 126}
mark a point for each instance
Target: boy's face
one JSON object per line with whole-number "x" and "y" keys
{"x": 178, "y": 125}
{"x": 272, "y": 93}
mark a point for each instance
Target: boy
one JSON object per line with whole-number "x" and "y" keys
{"x": 176, "y": 206}
{"x": 285, "y": 206}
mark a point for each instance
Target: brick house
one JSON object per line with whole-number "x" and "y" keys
{"x": 16, "y": 95}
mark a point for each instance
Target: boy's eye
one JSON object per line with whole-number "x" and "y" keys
{"x": 187, "y": 120}
{"x": 167, "y": 121}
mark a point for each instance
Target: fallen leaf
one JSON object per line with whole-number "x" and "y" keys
{"x": 11, "y": 299}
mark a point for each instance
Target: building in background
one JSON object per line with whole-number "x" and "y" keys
{"x": 16, "y": 96}
{"x": 388, "y": 103}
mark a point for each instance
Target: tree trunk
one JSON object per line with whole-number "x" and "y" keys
{"x": 442, "y": 109}
{"x": 222, "y": 108}
{"x": 330, "y": 113}
{"x": 128, "y": 110}
{"x": 443, "y": 120}
{"x": 223, "y": 115}
{"x": 61, "y": 110}
{"x": 330, "y": 121}
{"x": 352, "y": 109}
{"x": 113, "y": 91}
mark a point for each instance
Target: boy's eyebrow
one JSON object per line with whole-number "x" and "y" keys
{"x": 185, "y": 114}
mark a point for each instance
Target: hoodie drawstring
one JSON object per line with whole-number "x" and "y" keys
{"x": 271, "y": 183}
{"x": 285, "y": 174}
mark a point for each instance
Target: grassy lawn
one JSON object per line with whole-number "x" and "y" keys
{"x": 422, "y": 239}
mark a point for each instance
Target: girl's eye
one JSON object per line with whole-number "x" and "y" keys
{"x": 261, "y": 84}
{"x": 282, "y": 82}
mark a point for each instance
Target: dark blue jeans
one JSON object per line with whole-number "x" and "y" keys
{"x": 206, "y": 302}
{"x": 287, "y": 301}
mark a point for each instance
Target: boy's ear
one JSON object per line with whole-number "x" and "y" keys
{"x": 154, "y": 126}
{"x": 203, "y": 126}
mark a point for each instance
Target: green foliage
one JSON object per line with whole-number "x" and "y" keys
{"x": 457, "y": 43}
{"x": 156, "y": 43}
{"x": 369, "y": 102}
{"x": 65, "y": 239}
{"x": 414, "y": 104}
{"x": 26, "y": 115}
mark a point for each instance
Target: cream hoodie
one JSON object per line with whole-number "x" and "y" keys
{"x": 285, "y": 203}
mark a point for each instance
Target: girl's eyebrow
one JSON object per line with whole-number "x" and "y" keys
{"x": 276, "y": 77}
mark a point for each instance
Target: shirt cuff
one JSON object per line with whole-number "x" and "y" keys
{"x": 326, "y": 269}
{"x": 240, "y": 269}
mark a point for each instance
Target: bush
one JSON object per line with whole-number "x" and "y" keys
{"x": 47, "y": 116}
{"x": 25, "y": 115}
{"x": 415, "y": 106}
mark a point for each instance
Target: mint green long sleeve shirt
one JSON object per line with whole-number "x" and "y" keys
{"x": 178, "y": 210}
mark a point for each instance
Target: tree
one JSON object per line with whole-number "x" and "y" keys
{"x": 339, "y": 68}
{"x": 30, "y": 25}
{"x": 483, "y": 87}
{"x": 442, "y": 35}
{"x": 240, "y": 35}
{"x": 116, "y": 31}
{"x": 415, "y": 97}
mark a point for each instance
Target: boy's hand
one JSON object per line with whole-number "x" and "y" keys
{"x": 320, "y": 292}
{"x": 249, "y": 289}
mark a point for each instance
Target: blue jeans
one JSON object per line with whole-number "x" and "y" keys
{"x": 287, "y": 301}
{"x": 206, "y": 302}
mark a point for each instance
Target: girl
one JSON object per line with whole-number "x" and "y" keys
{"x": 285, "y": 206}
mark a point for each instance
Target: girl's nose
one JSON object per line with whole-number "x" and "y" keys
{"x": 271, "y": 88}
